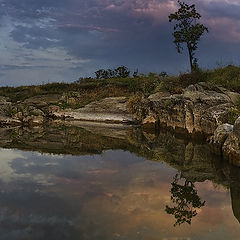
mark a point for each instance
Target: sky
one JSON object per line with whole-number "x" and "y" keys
{"x": 45, "y": 41}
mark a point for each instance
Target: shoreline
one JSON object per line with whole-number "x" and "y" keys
{"x": 199, "y": 112}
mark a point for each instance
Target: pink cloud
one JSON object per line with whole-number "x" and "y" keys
{"x": 87, "y": 27}
{"x": 156, "y": 9}
{"x": 224, "y": 29}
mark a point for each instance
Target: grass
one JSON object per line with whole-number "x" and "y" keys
{"x": 234, "y": 113}
{"x": 24, "y": 92}
{"x": 86, "y": 91}
{"x": 91, "y": 89}
{"x": 228, "y": 77}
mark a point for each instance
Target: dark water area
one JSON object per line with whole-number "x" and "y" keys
{"x": 88, "y": 183}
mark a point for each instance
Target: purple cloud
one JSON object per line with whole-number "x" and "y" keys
{"x": 107, "y": 33}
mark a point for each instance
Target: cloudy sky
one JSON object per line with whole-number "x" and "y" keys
{"x": 60, "y": 40}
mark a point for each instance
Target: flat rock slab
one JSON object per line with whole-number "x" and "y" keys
{"x": 112, "y": 109}
{"x": 43, "y": 99}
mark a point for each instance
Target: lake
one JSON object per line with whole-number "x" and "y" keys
{"x": 62, "y": 182}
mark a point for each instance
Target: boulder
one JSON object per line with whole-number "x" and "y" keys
{"x": 233, "y": 96}
{"x": 196, "y": 93}
{"x": 220, "y": 135}
{"x": 231, "y": 147}
{"x": 236, "y": 128}
{"x": 5, "y": 113}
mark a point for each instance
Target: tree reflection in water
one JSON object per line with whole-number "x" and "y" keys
{"x": 185, "y": 200}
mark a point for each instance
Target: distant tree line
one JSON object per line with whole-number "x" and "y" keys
{"x": 120, "y": 72}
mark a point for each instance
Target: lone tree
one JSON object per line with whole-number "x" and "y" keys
{"x": 187, "y": 30}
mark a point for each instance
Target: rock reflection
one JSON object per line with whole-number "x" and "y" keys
{"x": 61, "y": 139}
{"x": 235, "y": 191}
{"x": 116, "y": 195}
{"x": 185, "y": 200}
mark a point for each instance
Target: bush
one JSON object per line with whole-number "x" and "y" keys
{"x": 194, "y": 77}
{"x": 234, "y": 113}
{"x": 135, "y": 105}
{"x": 169, "y": 84}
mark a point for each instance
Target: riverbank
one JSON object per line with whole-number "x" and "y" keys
{"x": 183, "y": 103}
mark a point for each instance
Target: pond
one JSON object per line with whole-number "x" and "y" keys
{"x": 87, "y": 183}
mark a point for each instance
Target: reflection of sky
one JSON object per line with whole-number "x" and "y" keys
{"x": 6, "y": 157}
{"x": 115, "y": 195}
{"x": 60, "y": 40}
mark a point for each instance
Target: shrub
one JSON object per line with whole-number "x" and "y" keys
{"x": 194, "y": 77}
{"x": 169, "y": 84}
{"x": 233, "y": 114}
{"x": 136, "y": 105}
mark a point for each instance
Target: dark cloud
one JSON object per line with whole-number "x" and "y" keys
{"x": 2, "y": 74}
{"x": 19, "y": 67}
{"x": 112, "y": 32}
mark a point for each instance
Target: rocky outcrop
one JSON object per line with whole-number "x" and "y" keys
{"x": 39, "y": 109}
{"x": 5, "y": 117}
{"x": 198, "y": 110}
{"x": 220, "y": 135}
{"x": 21, "y": 113}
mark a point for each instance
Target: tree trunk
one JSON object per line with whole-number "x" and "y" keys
{"x": 190, "y": 57}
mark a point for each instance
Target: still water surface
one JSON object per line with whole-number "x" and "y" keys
{"x": 118, "y": 194}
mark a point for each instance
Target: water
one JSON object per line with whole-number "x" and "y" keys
{"x": 72, "y": 183}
